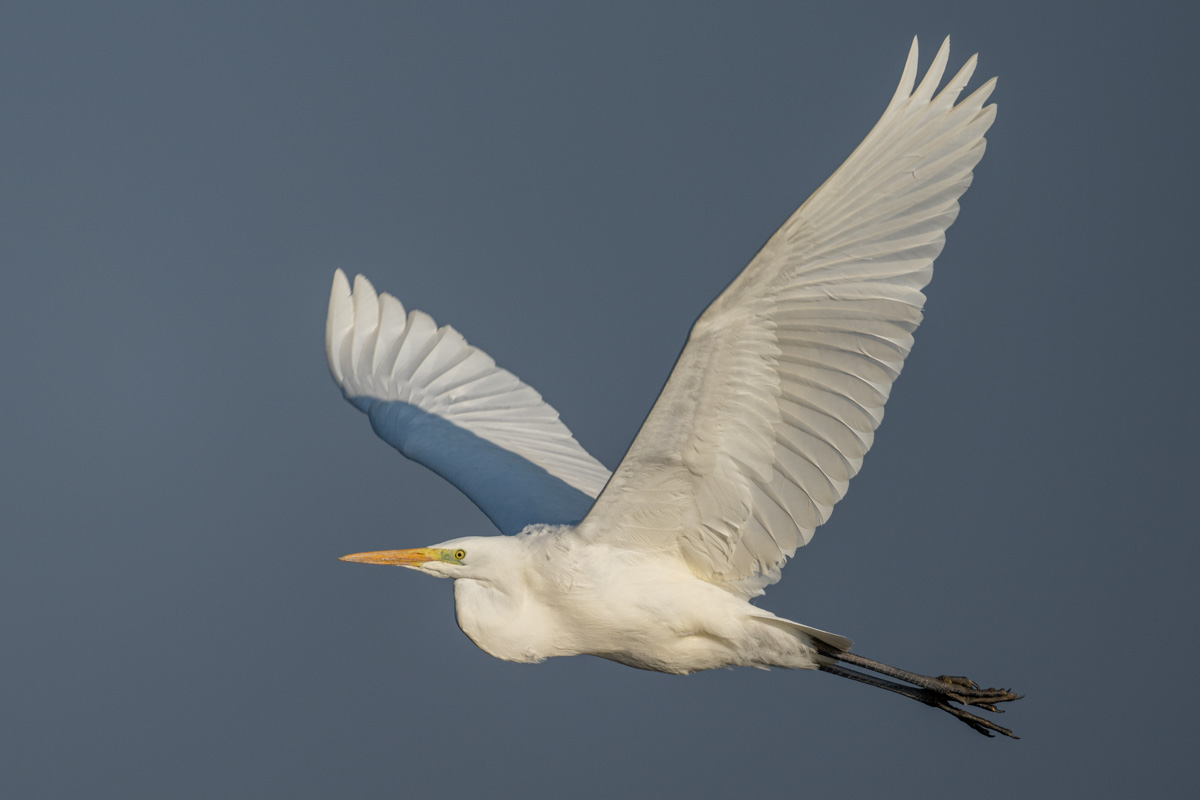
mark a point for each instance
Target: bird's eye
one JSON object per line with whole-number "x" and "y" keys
{"x": 460, "y": 554}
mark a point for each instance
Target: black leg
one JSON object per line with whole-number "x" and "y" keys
{"x": 940, "y": 692}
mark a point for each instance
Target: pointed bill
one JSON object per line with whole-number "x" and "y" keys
{"x": 396, "y": 558}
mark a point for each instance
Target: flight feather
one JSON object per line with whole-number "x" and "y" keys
{"x": 776, "y": 396}
{"x": 446, "y": 405}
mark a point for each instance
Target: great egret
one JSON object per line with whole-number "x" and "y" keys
{"x": 763, "y": 421}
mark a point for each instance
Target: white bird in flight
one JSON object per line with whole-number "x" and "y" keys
{"x": 761, "y": 425}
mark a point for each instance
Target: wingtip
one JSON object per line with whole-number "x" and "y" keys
{"x": 907, "y": 78}
{"x": 364, "y": 291}
{"x": 338, "y": 322}
{"x": 933, "y": 76}
{"x": 365, "y": 325}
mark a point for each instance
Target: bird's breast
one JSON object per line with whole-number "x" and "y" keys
{"x": 507, "y": 626}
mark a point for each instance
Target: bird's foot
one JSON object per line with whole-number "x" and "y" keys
{"x": 967, "y": 693}
{"x": 940, "y": 692}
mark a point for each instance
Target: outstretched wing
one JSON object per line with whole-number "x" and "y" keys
{"x": 775, "y": 399}
{"x": 446, "y": 405}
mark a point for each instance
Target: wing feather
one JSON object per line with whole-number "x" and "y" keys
{"x": 776, "y": 396}
{"x": 446, "y": 405}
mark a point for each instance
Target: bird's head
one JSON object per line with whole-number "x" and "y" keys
{"x": 468, "y": 557}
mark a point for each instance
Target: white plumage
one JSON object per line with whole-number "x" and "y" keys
{"x": 761, "y": 425}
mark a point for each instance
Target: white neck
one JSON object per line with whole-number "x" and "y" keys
{"x": 502, "y": 612}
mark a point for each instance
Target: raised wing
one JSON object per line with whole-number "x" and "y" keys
{"x": 775, "y": 399}
{"x": 446, "y": 405}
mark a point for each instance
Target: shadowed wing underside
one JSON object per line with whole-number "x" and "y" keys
{"x": 446, "y": 405}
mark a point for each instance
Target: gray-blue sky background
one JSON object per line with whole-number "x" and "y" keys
{"x": 569, "y": 185}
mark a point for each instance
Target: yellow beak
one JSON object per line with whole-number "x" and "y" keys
{"x": 395, "y": 558}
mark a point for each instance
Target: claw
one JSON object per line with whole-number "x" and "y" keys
{"x": 978, "y": 724}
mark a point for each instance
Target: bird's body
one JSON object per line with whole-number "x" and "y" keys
{"x": 762, "y": 423}
{"x": 559, "y": 596}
